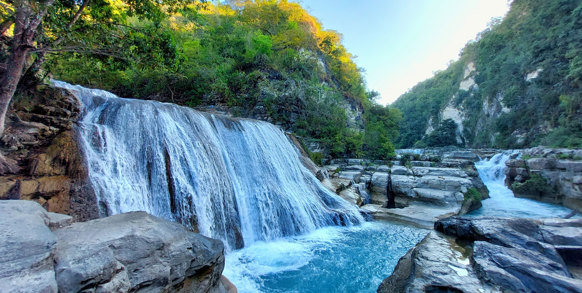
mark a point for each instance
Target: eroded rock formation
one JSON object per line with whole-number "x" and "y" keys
{"x": 48, "y": 165}
{"x": 132, "y": 252}
{"x": 493, "y": 255}
{"x": 550, "y": 175}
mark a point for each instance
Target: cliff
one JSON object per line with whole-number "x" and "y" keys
{"x": 46, "y": 164}
{"x": 517, "y": 85}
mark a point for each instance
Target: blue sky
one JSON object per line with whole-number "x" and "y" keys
{"x": 402, "y": 42}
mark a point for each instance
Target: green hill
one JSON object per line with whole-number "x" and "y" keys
{"x": 262, "y": 59}
{"x": 518, "y": 85}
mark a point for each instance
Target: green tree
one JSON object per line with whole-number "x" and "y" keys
{"x": 33, "y": 28}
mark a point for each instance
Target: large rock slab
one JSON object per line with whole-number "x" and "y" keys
{"x": 132, "y": 252}
{"x": 136, "y": 252}
{"x": 522, "y": 255}
{"x": 27, "y": 248}
{"x": 437, "y": 264}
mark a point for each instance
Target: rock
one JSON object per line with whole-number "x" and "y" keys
{"x": 514, "y": 163}
{"x": 27, "y": 248}
{"x": 436, "y": 264}
{"x": 127, "y": 252}
{"x": 431, "y": 171}
{"x": 521, "y": 270}
{"x": 541, "y": 163}
{"x": 397, "y": 170}
{"x": 521, "y": 254}
{"x": 136, "y": 251}
{"x": 470, "y": 205}
{"x": 461, "y": 155}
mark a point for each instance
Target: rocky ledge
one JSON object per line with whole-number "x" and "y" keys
{"x": 418, "y": 189}
{"x": 45, "y": 252}
{"x": 550, "y": 175}
{"x": 493, "y": 255}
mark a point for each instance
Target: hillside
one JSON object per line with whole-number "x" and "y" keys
{"x": 518, "y": 85}
{"x": 263, "y": 59}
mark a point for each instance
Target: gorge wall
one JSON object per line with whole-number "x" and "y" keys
{"x": 510, "y": 88}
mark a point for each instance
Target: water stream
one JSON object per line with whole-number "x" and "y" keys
{"x": 502, "y": 202}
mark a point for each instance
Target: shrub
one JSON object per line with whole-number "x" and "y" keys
{"x": 535, "y": 185}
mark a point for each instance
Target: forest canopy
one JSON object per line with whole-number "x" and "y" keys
{"x": 266, "y": 59}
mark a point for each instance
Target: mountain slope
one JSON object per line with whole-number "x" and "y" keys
{"x": 518, "y": 85}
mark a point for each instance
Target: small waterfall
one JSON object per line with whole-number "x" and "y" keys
{"x": 502, "y": 202}
{"x": 237, "y": 180}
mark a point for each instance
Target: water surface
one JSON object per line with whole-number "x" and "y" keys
{"x": 332, "y": 259}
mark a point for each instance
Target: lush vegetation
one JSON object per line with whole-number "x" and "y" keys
{"x": 266, "y": 59}
{"x": 536, "y": 35}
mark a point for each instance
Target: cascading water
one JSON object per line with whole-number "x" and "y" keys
{"x": 237, "y": 180}
{"x": 502, "y": 201}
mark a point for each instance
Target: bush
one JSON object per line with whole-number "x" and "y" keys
{"x": 535, "y": 185}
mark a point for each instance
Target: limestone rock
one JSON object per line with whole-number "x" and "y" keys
{"x": 522, "y": 254}
{"x": 127, "y": 252}
{"x": 136, "y": 252}
{"x": 27, "y": 248}
{"x": 436, "y": 264}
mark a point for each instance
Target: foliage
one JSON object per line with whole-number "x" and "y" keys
{"x": 535, "y": 185}
{"x": 261, "y": 58}
{"x": 474, "y": 194}
{"x": 444, "y": 135}
{"x": 535, "y": 36}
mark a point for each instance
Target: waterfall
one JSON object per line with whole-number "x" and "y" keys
{"x": 502, "y": 202}
{"x": 237, "y": 180}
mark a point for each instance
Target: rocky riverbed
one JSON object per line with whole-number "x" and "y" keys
{"x": 493, "y": 255}
{"x": 422, "y": 188}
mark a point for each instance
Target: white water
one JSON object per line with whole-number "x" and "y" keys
{"x": 502, "y": 201}
{"x": 237, "y": 180}
{"x": 332, "y": 259}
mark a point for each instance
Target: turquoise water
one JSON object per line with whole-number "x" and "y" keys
{"x": 333, "y": 259}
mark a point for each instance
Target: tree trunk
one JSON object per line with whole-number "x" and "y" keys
{"x": 26, "y": 22}
{"x": 10, "y": 81}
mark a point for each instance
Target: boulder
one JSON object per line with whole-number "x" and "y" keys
{"x": 27, "y": 248}
{"x": 521, "y": 270}
{"x": 541, "y": 163}
{"x": 521, "y": 254}
{"x": 127, "y": 252}
{"x": 436, "y": 264}
{"x": 136, "y": 252}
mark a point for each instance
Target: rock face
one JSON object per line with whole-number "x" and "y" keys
{"x": 41, "y": 142}
{"x": 522, "y": 255}
{"x": 499, "y": 255}
{"x": 126, "y": 252}
{"x": 561, "y": 170}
